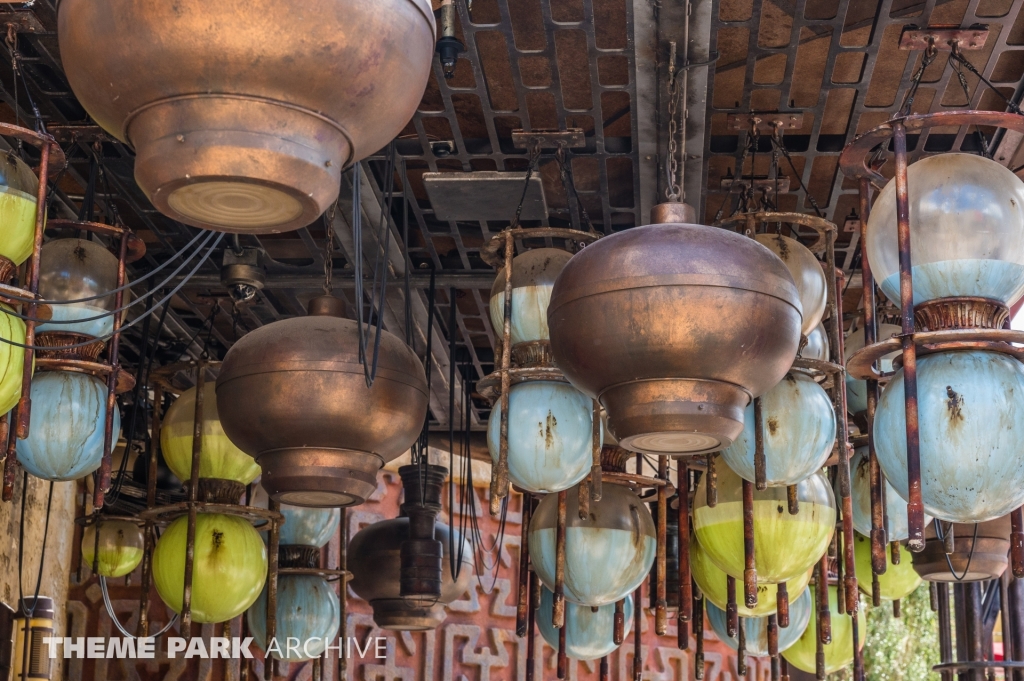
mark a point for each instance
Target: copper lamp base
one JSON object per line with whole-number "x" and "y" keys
{"x": 319, "y": 477}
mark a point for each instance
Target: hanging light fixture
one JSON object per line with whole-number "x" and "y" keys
{"x": 257, "y": 142}
{"x": 838, "y": 651}
{"x": 548, "y": 437}
{"x": 112, "y": 547}
{"x": 674, "y": 328}
{"x": 798, "y": 428}
{"x": 756, "y": 628}
{"x": 589, "y": 632}
{"x": 69, "y": 270}
{"x": 221, "y": 459}
{"x": 12, "y": 358}
{"x": 964, "y": 552}
{"x": 394, "y": 567}
{"x": 607, "y": 554}
{"x": 66, "y": 437}
{"x": 229, "y": 567}
{"x": 19, "y": 187}
{"x": 817, "y": 344}
{"x": 307, "y": 607}
{"x": 294, "y": 395}
{"x": 786, "y": 545}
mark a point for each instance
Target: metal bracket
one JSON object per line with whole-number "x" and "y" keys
{"x": 944, "y": 37}
{"x": 765, "y": 121}
{"x": 23, "y": 22}
{"x": 573, "y": 138}
{"x": 740, "y": 185}
{"x": 90, "y": 134}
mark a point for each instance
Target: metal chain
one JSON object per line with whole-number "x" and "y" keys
{"x": 329, "y": 247}
{"x": 569, "y": 184}
{"x": 674, "y": 190}
{"x": 534, "y": 157}
{"x": 956, "y": 62}
{"x": 926, "y": 61}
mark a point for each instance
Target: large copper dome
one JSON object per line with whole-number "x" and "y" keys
{"x": 675, "y": 328}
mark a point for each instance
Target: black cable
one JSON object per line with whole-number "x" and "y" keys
{"x": 106, "y": 294}
{"x": 130, "y": 324}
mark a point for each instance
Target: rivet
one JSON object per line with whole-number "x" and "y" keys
{"x": 181, "y": 138}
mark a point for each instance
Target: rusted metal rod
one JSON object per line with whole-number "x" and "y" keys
{"x": 531, "y": 632}
{"x": 731, "y": 610}
{"x": 876, "y": 481}
{"x": 773, "y": 646}
{"x": 619, "y": 623}
{"x": 523, "y": 595}
{"x": 760, "y": 465}
{"x": 792, "y": 499}
{"x": 1017, "y": 542}
{"x": 685, "y": 588}
{"x": 563, "y": 658}
{"x": 638, "y": 619}
{"x": 711, "y": 482}
{"x": 149, "y": 532}
{"x": 749, "y": 559}
{"x": 595, "y": 444}
{"x": 741, "y": 650}
{"x": 499, "y": 475}
{"x": 782, "y": 605}
{"x": 697, "y": 622}
{"x": 113, "y": 352}
{"x": 558, "y": 598}
{"x": 661, "y": 605}
{"x": 24, "y": 413}
{"x": 915, "y": 507}
{"x": 273, "y": 549}
{"x": 193, "y": 492}
{"x": 824, "y": 616}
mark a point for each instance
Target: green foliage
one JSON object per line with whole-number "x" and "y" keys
{"x": 904, "y": 648}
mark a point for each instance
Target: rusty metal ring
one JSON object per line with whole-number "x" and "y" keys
{"x": 93, "y": 518}
{"x": 637, "y": 481}
{"x": 493, "y": 252}
{"x": 855, "y": 159}
{"x": 57, "y": 159}
{"x": 125, "y": 381}
{"x": 823, "y": 227}
{"x": 819, "y": 366}
{"x": 260, "y": 518}
{"x": 326, "y": 573}
{"x": 9, "y": 296}
{"x": 861, "y": 363}
{"x": 489, "y": 386}
{"x": 136, "y": 246}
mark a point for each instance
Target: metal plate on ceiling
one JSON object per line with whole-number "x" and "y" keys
{"x": 484, "y": 195}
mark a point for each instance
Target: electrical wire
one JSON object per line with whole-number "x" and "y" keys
{"x": 108, "y": 313}
{"x": 113, "y": 617}
{"x": 135, "y": 321}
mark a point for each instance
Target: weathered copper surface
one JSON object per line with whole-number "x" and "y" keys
{"x": 674, "y": 328}
{"x": 243, "y": 114}
{"x": 960, "y": 313}
{"x": 293, "y": 395}
{"x": 972, "y": 559}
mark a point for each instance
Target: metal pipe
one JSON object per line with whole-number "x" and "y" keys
{"x": 760, "y": 465}
{"x": 25, "y": 403}
{"x": 749, "y": 559}
{"x": 782, "y": 605}
{"x": 1017, "y": 542}
{"x": 113, "y": 351}
{"x": 523, "y": 596}
{"x": 193, "y": 492}
{"x": 499, "y": 474}
{"x": 638, "y": 618}
{"x": 563, "y": 660}
{"x": 792, "y": 499}
{"x": 343, "y": 595}
{"x": 878, "y": 528}
{"x": 619, "y": 623}
{"x": 661, "y": 605}
{"x": 595, "y": 444}
{"x": 711, "y": 482}
{"x": 685, "y": 587}
{"x": 824, "y": 616}
{"x": 558, "y": 598}
{"x": 945, "y": 631}
{"x": 731, "y": 611}
{"x": 531, "y": 631}
{"x": 915, "y": 507}
{"x": 697, "y": 622}
{"x": 273, "y": 549}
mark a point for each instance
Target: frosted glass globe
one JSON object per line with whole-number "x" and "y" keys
{"x": 71, "y": 269}
{"x": 533, "y": 277}
{"x": 807, "y": 273}
{"x": 856, "y": 390}
{"x": 967, "y": 231}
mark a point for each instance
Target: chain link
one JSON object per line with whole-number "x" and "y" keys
{"x": 329, "y": 247}
{"x": 674, "y": 190}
